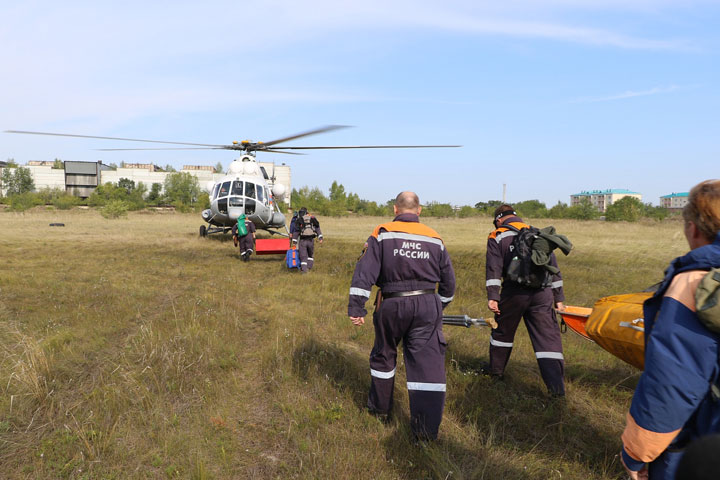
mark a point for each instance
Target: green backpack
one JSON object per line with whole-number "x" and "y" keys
{"x": 707, "y": 300}
{"x": 242, "y": 229}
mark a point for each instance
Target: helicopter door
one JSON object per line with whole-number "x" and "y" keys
{"x": 263, "y": 212}
{"x": 222, "y": 202}
{"x": 249, "y": 199}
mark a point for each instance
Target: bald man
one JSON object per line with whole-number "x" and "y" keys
{"x": 406, "y": 260}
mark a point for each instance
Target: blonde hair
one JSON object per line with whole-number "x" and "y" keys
{"x": 703, "y": 208}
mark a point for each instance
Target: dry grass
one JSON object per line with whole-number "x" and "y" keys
{"x": 134, "y": 349}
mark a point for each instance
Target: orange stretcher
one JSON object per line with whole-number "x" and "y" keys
{"x": 615, "y": 323}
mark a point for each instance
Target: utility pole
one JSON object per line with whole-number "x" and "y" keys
{"x": 504, "y": 191}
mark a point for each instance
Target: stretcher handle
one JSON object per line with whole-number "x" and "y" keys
{"x": 633, "y": 326}
{"x": 464, "y": 321}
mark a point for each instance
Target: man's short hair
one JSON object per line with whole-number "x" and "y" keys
{"x": 407, "y": 201}
{"x": 502, "y": 209}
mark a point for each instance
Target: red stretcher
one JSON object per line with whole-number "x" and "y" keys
{"x": 271, "y": 246}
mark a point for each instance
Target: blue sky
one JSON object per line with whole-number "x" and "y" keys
{"x": 549, "y": 97}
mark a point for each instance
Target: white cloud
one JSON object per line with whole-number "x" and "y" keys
{"x": 633, "y": 93}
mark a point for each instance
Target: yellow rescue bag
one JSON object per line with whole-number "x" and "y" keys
{"x": 616, "y": 324}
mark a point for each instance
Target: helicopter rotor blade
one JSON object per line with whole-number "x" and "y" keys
{"x": 371, "y": 146}
{"x": 272, "y": 150}
{"x": 166, "y": 148}
{"x": 327, "y": 128}
{"x": 114, "y": 138}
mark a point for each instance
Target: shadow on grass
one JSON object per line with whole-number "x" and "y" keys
{"x": 520, "y": 413}
{"x": 443, "y": 458}
{"x": 348, "y": 372}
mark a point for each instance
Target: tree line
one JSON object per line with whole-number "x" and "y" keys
{"x": 182, "y": 191}
{"x": 339, "y": 203}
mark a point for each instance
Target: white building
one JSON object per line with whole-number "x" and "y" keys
{"x": 602, "y": 199}
{"x": 674, "y": 201}
{"x": 82, "y": 177}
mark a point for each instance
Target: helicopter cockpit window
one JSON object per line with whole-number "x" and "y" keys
{"x": 215, "y": 191}
{"x": 237, "y": 187}
{"x": 235, "y": 202}
{"x": 225, "y": 189}
{"x": 250, "y": 190}
{"x": 260, "y": 194}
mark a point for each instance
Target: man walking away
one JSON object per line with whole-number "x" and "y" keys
{"x": 515, "y": 301}
{"x": 307, "y": 228}
{"x": 406, "y": 260}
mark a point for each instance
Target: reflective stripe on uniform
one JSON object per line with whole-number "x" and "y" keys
{"x": 426, "y": 387}
{"x": 359, "y": 292}
{"x": 303, "y": 263}
{"x": 557, "y": 284}
{"x": 409, "y": 236}
{"x": 500, "y": 344}
{"x": 509, "y": 233}
{"x": 310, "y": 258}
{"x": 555, "y": 355}
{"x": 379, "y": 374}
{"x": 493, "y": 282}
{"x": 446, "y": 299}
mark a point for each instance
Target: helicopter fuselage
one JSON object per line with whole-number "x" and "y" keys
{"x": 244, "y": 190}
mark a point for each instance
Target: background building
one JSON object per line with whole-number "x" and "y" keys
{"x": 674, "y": 201}
{"x": 81, "y": 178}
{"x": 601, "y": 199}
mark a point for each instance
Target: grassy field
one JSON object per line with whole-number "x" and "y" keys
{"x": 134, "y": 349}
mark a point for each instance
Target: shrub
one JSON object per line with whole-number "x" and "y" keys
{"x": 114, "y": 209}
{"x": 24, "y": 201}
{"x": 65, "y": 201}
{"x": 584, "y": 210}
{"x": 467, "y": 211}
{"x": 203, "y": 202}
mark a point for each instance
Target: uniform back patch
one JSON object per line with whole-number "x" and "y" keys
{"x": 363, "y": 252}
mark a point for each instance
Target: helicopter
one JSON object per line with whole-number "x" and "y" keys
{"x": 246, "y": 188}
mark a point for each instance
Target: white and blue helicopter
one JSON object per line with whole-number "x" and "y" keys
{"x": 246, "y": 188}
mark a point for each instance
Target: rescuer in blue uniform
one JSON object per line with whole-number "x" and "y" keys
{"x": 406, "y": 260}
{"x": 516, "y": 301}
{"x": 306, "y": 229}
{"x": 246, "y": 242}
{"x": 677, "y": 399}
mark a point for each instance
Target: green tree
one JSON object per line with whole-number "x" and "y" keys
{"x": 584, "y": 210}
{"x": 17, "y": 180}
{"x": 127, "y": 184}
{"x": 218, "y": 167}
{"x": 58, "y": 164}
{"x": 628, "y": 209}
{"x": 11, "y": 163}
{"x": 559, "y": 210}
{"x": 182, "y": 188}
{"x": 531, "y": 208}
{"x": 467, "y": 211}
{"x": 657, "y": 213}
{"x": 155, "y": 194}
{"x": 488, "y": 207}
{"x": 169, "y": 168}
{"x": 435, "y": 209}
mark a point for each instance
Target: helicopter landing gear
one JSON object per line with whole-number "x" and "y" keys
{"x": 203, "y": 231}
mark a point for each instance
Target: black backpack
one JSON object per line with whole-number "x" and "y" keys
{"x": 522, "y": 270}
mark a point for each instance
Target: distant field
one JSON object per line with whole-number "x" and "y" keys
{"x": 134, "y": 349}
